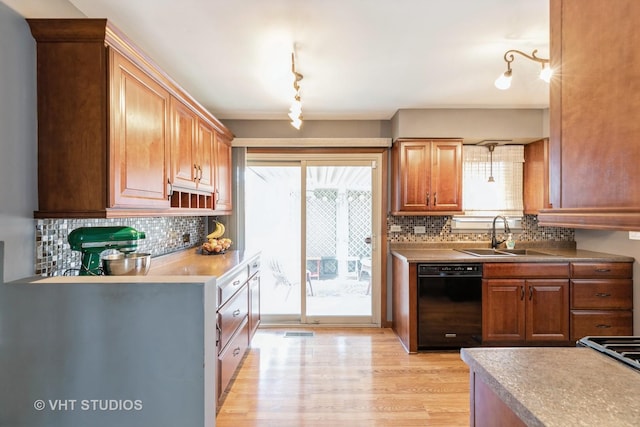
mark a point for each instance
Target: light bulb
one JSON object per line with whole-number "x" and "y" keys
{"x": 504, "y": 81}
{"x": 296, "y": 123}
{"x": 546, "y": 73}
{"x": 294, "y": 115}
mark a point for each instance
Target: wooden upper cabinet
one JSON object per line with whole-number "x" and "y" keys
{"x": 139, "y": 142}
{"x": 536, "y": 177}
{"x": 427, "y": 176}
{"x": 114, "y": 131}
{"x": 184, "y": 121}
{"x": 223, "y": 174}
{"x": 593, "y": 115}
{"x": 205, "y": 156}
{"x": 191, "y": 149}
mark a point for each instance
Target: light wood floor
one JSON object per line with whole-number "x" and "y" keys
{"x": 345, "y": 377}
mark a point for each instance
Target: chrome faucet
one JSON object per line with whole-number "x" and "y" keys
{"x": 494, "y": 241}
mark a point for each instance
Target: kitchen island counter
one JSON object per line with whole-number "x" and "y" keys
{"x": 146, "y": 344}
{"x": 542, "y": 386}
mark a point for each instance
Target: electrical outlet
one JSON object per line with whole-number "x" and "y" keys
{"x": 186, "y": 238}
{"x": 419, "y": 229}
{"x": 395, "y": 228}
{"x": 634, "y": 235}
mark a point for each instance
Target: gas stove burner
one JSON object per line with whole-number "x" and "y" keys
{"x": 625, "y": 349}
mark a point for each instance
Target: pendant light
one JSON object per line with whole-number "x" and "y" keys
{"x": 491, "y": 147}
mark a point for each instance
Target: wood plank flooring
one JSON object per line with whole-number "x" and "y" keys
{"x": 345, "y": 377}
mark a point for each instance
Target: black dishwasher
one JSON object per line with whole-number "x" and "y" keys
{"x": 449, "y": 305}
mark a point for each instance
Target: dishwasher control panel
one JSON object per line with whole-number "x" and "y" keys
{"x": 436, "y": 270}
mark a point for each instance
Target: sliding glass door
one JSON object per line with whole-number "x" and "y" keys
{"x": 313, "y": 221}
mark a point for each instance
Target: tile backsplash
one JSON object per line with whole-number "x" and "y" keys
{"x": 438, "y": 229}
{"x": 55, "y": 257}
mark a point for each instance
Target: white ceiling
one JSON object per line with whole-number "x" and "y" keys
{"x": 361, "y": 59}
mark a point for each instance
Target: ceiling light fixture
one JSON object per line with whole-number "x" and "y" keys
{"x": 504, "y": 81}
{"x": 295, "y": 111}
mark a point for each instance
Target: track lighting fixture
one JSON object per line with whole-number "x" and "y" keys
{"x": 504, "y": 81}
{"x": 295, "y": 111}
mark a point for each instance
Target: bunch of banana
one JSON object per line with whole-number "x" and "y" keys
{"x": 218, "y": 232}
{"x": 215, "y": 243}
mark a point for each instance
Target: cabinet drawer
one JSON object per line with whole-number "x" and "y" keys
{"x": 598, "y": 323}
{"x": 591, "y": 270}
{"x": 528, "y": 270}
{"x": 232, "y": 315}
{"x": 231, "y": 357}
{"x": 602, "y": 294}
{"x": 229, "y": 288}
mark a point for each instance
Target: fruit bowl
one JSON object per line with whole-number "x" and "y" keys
{"x": 215, "y": 246}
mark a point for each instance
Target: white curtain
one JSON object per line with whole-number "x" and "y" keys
{"x": 504, "y": 196}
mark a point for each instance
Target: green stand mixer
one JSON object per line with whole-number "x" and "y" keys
{"x": 92, "y": 241}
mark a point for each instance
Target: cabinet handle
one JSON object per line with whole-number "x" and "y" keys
{"x": 195, "y": 172}
{"x": 236, "y": 283}
{"x": 218, "y": 334}
{"x": 521, "y": 293}
{"x": 217, "y": 195}
{"x": 236, "y": 351}
{"x": 603, "y": 294}
{"x": 199, "y": 173}
{"x": 169, "y": 189}
{"x": 236, "y": 313}
{"x": 435, "y": 203}
{"x": 603, "y": 270}
{"x": 428, "y": 198}
{"x": 603, "y": 326}
{"x": 530, "y": 293}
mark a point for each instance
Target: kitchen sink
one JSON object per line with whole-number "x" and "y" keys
{"x": 503, "y": 252}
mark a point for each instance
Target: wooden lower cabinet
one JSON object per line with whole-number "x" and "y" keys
{"x": 601, "y": 299}
{"x": 238, "y": 318}
{"x": 555, "y": 303}
{"x": 520, "y": 310}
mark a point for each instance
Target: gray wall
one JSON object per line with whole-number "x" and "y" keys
{"x": 18, "y": 185}
{"x": 310, "y": 129}
{"x": 473, "y": 125}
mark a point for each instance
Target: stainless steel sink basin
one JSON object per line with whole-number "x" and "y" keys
{"x": 503, "y": 252}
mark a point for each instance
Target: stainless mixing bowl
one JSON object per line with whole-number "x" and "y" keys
{"x": 132, "y": 264}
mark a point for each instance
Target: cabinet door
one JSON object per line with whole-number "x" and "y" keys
{"x": 184, "y": 171}
{"x": 547, "y": 310}
{"x": 204, "y": 156}
{"x": 222, "y": 171}
{"x": 446, "y": 176}
{"x": 503, "y": 310}
{"x": 413, "y": 176}
{"x": 140, "y": 148}
{"x": 536, "y": 176}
